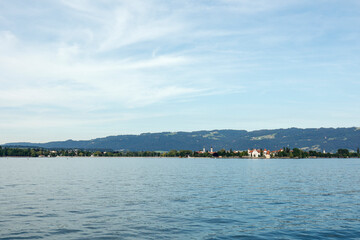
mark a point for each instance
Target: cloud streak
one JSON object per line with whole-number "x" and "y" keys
{"x": 75, "y": 60}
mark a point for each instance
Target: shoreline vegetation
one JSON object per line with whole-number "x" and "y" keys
{"x": 282, "y": 153}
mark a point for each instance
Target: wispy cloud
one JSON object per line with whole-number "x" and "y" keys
{"x": 80, "y": 60}
{"x": 78, "y": 57}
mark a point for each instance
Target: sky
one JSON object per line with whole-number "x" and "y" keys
{"x": 85, "y": 69}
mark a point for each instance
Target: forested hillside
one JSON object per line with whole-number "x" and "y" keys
{"x": 328, "y": 139}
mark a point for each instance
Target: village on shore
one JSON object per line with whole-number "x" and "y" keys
{"x": 254, "y": 153}
{"x": 250, "y": 153}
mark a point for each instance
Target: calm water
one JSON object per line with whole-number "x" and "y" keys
{"x": 153, "y": 198}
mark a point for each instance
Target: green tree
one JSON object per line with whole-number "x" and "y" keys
{"x": 33, "y": 153}
{"x": 172, "y": 153}
{"x": 185, "y": 153}
{"x": 222, "y": 152}
{"x": 297, "y": 152}
{"x": 343, "y": 152}
{"x": 97, "y": 153}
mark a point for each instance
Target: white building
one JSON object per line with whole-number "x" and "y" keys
{"x": 255, "y": 153}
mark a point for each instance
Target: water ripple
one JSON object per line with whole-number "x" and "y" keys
{"x": 153, "y": 198}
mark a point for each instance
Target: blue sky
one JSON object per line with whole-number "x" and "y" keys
{"x": 85, "y": 69}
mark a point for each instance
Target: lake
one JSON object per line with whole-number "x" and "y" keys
{"x": 172, "y": 198}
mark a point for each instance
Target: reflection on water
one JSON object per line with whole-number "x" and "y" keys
{"x": 158, "y": 198}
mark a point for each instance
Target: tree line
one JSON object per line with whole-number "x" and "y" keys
{"x": 284, "y": 153}
{"x": 298, "y": 153}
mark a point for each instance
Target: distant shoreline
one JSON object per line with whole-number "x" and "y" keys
{"x": 240, "y": 158}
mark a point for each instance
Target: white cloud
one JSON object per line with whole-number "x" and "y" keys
{"x": 117, "y": 55}
{"x": 7, "y": 40}
{"x": 251, "y": 6}
{"x": 125, "y": 22}
{"x": 41, "y": 76}
{"x": 32, "y": 73}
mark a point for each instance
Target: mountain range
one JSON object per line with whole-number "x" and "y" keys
{"x": 319, "y": 139}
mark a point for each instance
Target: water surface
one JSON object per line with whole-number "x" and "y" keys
{"x": 171, "y": 198}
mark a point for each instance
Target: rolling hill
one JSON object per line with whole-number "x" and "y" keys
{"x": 328, "y": 139}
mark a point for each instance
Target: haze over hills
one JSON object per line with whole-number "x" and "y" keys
{"x": 319, "y": 139}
